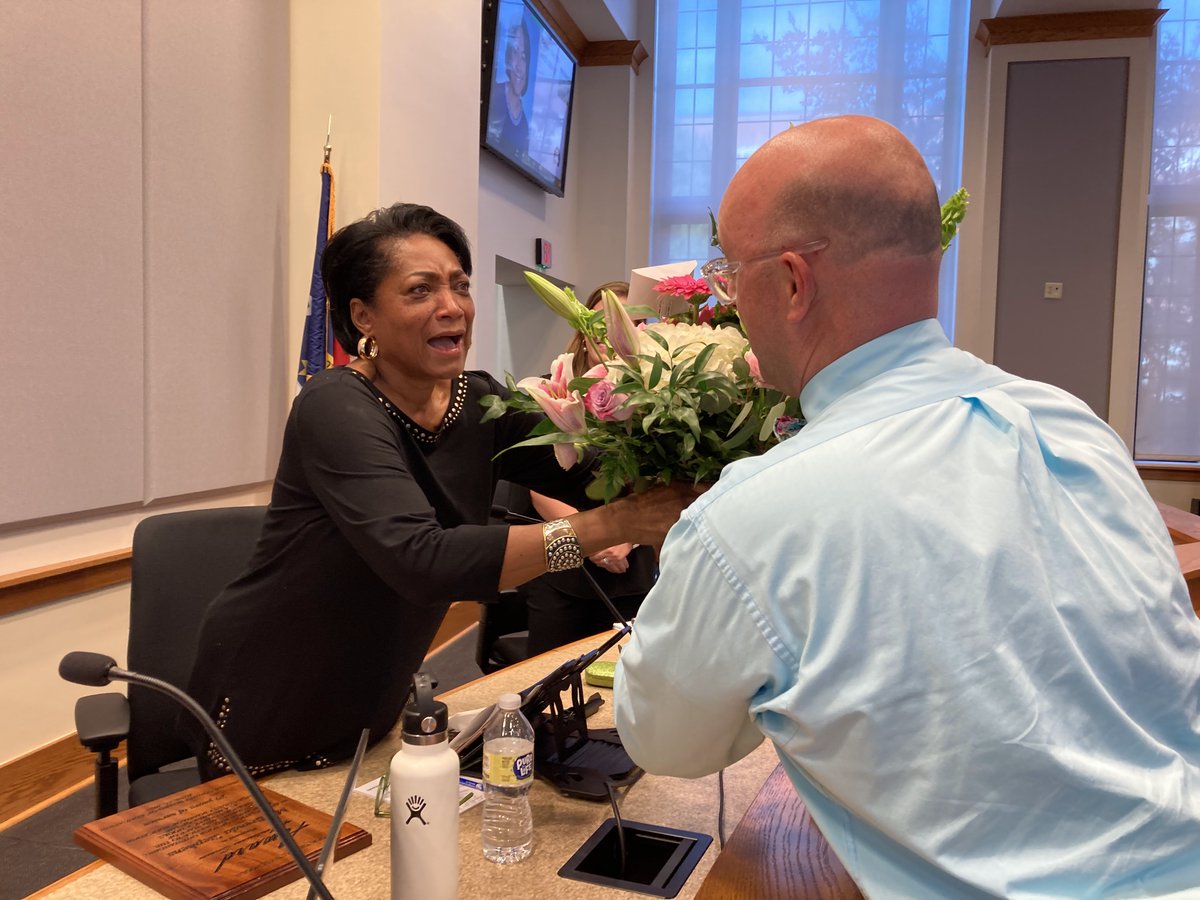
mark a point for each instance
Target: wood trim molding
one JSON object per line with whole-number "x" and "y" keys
{"x": 615, "y": 53}
{"x": 589, "y": 53}
{"x": 564, "y": 26}
{"x": 1079, "y": 26}
{"x": 29, "y": 781}
{"x": 47, "y": 584}
{"x": 1169, "y": 471}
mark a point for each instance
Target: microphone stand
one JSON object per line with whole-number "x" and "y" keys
{"x": 115, "y": 672}
{"x": 618, "y": 822}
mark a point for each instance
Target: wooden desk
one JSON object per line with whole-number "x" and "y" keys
{"x": 778, "y": 852}
{"x": 561, "y": 825}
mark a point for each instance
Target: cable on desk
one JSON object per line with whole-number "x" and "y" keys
{"x": 721, "y": 807}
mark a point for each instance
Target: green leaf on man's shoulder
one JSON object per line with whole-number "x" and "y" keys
{"x": 768, "y": 424}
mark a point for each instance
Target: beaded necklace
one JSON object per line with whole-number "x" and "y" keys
{"x": 458, "y": 398}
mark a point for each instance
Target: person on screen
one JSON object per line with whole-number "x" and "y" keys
{"x": 508, "y": 123}
{"x": 948, "y": 600}
{"x": 379, "y": 514}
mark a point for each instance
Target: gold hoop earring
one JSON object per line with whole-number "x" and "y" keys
{"x": 368, "y": 347}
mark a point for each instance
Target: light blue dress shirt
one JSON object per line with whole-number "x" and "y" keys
{"x": 952, "y": 606}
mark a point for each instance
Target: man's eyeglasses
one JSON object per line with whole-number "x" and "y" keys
{"x": 721, "y": 273}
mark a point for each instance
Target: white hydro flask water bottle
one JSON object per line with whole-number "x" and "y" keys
{"x": 424, "y": 790}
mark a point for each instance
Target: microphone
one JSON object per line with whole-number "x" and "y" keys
{"x": 97, "y": 670}
{"x": 502, "y": 512}
{"x": 81, "y": 667}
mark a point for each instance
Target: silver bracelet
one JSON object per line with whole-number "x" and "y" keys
{"x": 563, "y": 550}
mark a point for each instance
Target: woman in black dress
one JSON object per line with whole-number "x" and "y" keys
{"x": 379, "y": 514}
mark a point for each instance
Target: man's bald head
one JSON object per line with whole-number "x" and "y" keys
{"x": 854, "y": 180}
{"x": 858, "y": 183}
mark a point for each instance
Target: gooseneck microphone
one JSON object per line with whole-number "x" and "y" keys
{"x": 501, "y": 512}
{"x": 97, "y": 670}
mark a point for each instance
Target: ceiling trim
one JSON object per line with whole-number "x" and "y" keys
{"x": 589, "y": 53}
{"x": 615, "y": 53}
{"x": 1080, "y": 26}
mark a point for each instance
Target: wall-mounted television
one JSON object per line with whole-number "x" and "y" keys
{"x": 526, "y": 94}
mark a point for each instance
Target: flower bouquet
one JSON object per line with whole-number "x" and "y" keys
{"x": 674, "y": 400}
{"x": 677, "y": 399}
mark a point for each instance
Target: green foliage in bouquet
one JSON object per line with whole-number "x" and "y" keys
{"x": 673, "y": 402}
{"x": 954, "y": 211}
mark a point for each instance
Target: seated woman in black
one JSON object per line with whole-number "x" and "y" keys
{"x": 379, "y": 514}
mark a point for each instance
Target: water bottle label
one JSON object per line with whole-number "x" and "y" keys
{"x": 506, "y": 769}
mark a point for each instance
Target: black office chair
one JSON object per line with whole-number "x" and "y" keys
{"x": 181, "y": 561}
{"x": 503, "y": 631}
{"x": 504, "y": 619}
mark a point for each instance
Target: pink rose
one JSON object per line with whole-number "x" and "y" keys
{"x": 606, "y": 404}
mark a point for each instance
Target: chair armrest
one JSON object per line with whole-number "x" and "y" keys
{"x": 102, "y": 721}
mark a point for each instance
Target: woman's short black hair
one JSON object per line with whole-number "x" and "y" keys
{"x": 358, "y": 257}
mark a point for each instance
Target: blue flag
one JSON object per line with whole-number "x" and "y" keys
{"x": 318, "y": 348}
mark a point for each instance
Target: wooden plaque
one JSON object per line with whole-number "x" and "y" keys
{"x": 212, "y": 841}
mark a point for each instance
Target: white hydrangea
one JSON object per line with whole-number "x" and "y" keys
{"x": 689, "y": 340}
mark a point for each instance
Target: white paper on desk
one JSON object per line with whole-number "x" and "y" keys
{"x": 470, "y": 791}
{"x": 642, "y": 282}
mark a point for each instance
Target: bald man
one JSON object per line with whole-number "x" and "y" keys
{"x": 948, "y": 600}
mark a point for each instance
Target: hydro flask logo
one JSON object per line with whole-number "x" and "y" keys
{"x": 415, "y": 806}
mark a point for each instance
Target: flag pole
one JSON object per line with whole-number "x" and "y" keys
{"x": 318, "y": 349}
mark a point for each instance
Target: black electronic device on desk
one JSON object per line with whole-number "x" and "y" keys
{"x": 578, "y": 760}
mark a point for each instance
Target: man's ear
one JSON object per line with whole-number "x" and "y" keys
{"x": 802, "y": 286}
{"x": 360, "y": 315}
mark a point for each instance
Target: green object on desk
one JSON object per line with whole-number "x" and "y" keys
{"x": 600, "y": 673}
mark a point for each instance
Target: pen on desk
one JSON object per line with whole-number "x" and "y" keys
{"x": 465, "y": 797}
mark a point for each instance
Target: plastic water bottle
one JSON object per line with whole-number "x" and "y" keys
{"x": 507, "y": 778}
{"x": 423, "y": 782}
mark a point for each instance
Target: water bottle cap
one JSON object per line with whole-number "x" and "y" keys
{"x": 509, "y": 701}
{"x": 424, "y": 726}
{"x": 424, "y": 719}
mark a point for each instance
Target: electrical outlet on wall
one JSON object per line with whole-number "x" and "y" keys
{"x": 1053, "y": 290}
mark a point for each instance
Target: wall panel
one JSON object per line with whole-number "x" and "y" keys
{"x": 70, "y": 257}
{"x": 216, "y": 243}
